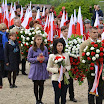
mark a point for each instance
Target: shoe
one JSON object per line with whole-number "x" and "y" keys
{"x": 14, "y": 86}
{"x": 74, "y": 100}
{"x": 0, "y": 87}
{"x": 41, "y": 103}
{"x": 37, "y": 102}
{"x": 11, "y": 86}
{"x": 24, "y": 73}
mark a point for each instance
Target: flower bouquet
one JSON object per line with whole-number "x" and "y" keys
{"x": 25, "y": 39}
{"x": 60, "y": 61}
{"x": 92, "y": 62}
{"x": 73, "y": 50}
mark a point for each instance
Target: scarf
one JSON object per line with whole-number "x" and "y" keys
{"x": 15, "y": 45}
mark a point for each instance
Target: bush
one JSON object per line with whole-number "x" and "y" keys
{"x": 75, "y": 5}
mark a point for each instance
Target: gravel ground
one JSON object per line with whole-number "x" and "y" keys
{"x": 24, "y": 93}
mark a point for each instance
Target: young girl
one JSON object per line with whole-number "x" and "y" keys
{"x": 12, "y": 58}
{"x": 38, "y": 57}
{"x": 58, "y": 49}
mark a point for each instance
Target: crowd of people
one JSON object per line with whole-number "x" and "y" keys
{"x": 41, "y": 62}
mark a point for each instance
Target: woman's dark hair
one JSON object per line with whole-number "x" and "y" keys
{"x": 34, "y": 44}
{"x": 55, "y": 42}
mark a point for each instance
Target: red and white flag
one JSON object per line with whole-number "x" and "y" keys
{"x": 71, "y": 27}
{"x": 38, "y": 15}
{"x": 27, "y": 20}
{"x": 14, "y": 7}
{"x": 43, "y": 14}
{"x": 75, "y": 18}
{"x": 12, "y": 17}
{"x": 79, "y": 28}
{"x": 0, "y": 15}
{"x": 96, "y": 24}
{"x": 21, "y": 17}
{"x": 46, "y": 26}
{"x": 2, "y": 6}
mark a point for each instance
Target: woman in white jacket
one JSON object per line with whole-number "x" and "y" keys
{"x": 58, "y": 49}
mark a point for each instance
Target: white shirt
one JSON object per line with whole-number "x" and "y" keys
{"x": 66, "y": 40}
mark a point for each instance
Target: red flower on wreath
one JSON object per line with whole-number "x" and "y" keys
{"x": 101, "y": 59}
{"x": 92, "y": 53}
{"x": 88, "y": 58}
{"x": 103, "y": 44}
{"x": 19, "y": 41}
{"x": 92, "y": 43}
{"x": 25, "y": 44}
{"x": 91, "y": 68}
{"x": 101, "y": 54}
{"x": 83, "y": 54}
{"x": 96, "y": 45}
{"x": 103, "y": 40}
{"x": 63, "y": 57}
{"x": 16, "y": 32}
{"x": 17, "y": 37}
{"x": 92, "y": 64}
{"x": 101, "y": 48}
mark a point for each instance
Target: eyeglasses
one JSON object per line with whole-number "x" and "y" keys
{"x": 3, "y": 29}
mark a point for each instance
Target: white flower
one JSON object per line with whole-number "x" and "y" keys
{"x": 70, "y": 42}
{"x": 26, "y": 32}
{"x": 32, "y": 38}
{"x": 66, "y": 50}
{"x": 33, "y": 32}
{"x": 68, "y": 53}
{"x": 76, "y": 49}
{"x": 98, "y": 41}
{"x": 45, "y": 34}
{"x": 92, "y": 74}
{"x": 93, "y": 58}
{"x": 56, "y": 61}
{"x": 69, "y": 48}
{"x": 38, "y": 32}
{"x": 21, "y": 45}
{"x": 60, "y": 59}
{"x": 88, "y": 53}
{"x": 92, "y": 48}
{"x": 45, "y": 40}
{"x": 97, "y": 51}
{"x": 23, "y": 42}
{"x": 37, "y": 28}
{"x": 32, "y": 42}
{"x": 30, "y": 34}
{"x": 21, "y": 32}
{"x": 27, "y": 43}
{"x": 83, "y": 61}
{"x": 97, "y": 55}
{"x": 73, "y": 51}
{"x": 22, "y": 36}
{"x": 77, "y": 52}
{"x": 27, "y": 38}
{"x": 51, "y": 45}
{"x": 85, "y": 49}
{"x": 22, "y": 29}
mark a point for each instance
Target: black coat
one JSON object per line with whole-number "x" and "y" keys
{"x": 10, "y": 57}
{"x": 1, "y": 49}
{"x": 11, "y": 27}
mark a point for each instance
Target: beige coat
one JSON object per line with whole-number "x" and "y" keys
{"x": 53, "y": 68}
{"x": 83, "y": 45}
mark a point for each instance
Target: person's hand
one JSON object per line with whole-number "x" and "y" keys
{"x": 42, "y": 58}
{"x": 64, "y": 70}
{"x": 41, "y": 54}
{"x": 7, "y": 64}
{"x": 38, "y": 58}
{"x": 103, "y": 78}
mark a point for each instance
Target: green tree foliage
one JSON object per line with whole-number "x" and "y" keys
{"x": 74, "y": 4}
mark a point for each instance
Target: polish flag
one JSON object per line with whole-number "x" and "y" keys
{"x": 63, "y": 20}
{"x": 12, "y": 17}
{"x": 38, "y": 15}
{"x": 71, "y": 26}
{"x": 79, "y": 28}
{"x": 27, "y": 20}
{"x": 30, "y": 6}
{"x": 96, "y": 24}
{"x": 0, "y": 15}
{"x": 52, "y": 28}
{"x": 6, "y": 18}
{"x": 66, "y": 16}
{"x": 43, "y": 14}
{"x": 21, "y": 17}
{"x": 2, "y": 6}
{"x": 46, "y": 26}
{"x": 75, "y": 18}
{"x": 14, "y": 7}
